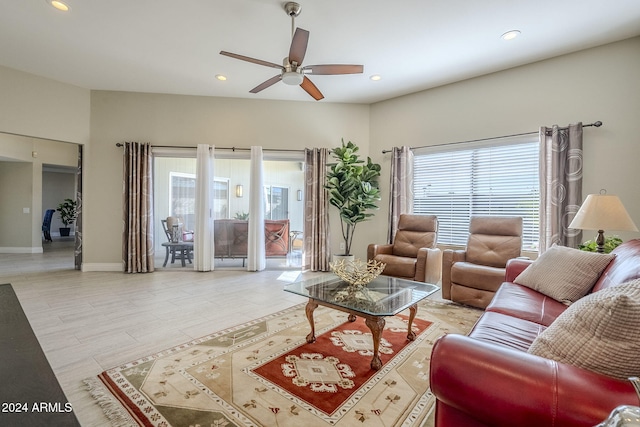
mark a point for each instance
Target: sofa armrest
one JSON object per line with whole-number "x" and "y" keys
{"x": 515, "y": 266}
{"x": 428, "y": 265}
{"x": 373, "y": 250}
{"x": 449, "y": 257}
{"x": 503, "y": 387}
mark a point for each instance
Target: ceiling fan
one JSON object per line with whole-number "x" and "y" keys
{"x": 292, "y": 72}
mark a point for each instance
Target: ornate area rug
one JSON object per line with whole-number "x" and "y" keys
{"x": 263, "y": 373}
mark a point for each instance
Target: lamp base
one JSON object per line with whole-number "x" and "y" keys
{"x": 600, "y": 242}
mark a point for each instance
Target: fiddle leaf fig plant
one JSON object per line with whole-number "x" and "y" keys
{"x": 68, "y": 211}
{"x": 353, "y": 188}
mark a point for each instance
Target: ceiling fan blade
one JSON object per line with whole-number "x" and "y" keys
{"x": 311, "y": 89}
{"x": 273, "y": 80}
{"x": 253, "y": 60}
{"x": 334, "y": 69}
{"x": 298, "y": 46}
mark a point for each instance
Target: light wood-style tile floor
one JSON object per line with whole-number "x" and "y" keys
{"x": 89, "y": 322}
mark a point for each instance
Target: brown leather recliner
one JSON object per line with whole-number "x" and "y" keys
{"x": 472, "y": 276}
{"x": 413, "y": 254}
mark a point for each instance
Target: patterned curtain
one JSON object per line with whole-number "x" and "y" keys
{"x": 401, "y": 187}
{"x": 78, "y": 238}
{"x": 203, "y": 250}
{"x": 560, "y": 185}
{"x": 137, "y": 241}
{"x": 316, "y": 211}
{"x": 256, "y": 257}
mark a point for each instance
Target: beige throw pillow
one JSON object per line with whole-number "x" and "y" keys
{"x": 564, "y": 274}
{"x": 600, "y": 332}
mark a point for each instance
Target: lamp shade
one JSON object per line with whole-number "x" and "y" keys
{"x": 603, "y": 212}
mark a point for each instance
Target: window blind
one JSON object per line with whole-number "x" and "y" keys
{"x": 498, "y": 178}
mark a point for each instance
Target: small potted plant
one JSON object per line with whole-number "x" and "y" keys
{"x": 353, "y": 189}
{"x": 68, "y": 213}
{"x": 610, "y": 243}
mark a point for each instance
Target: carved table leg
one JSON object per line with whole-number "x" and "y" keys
{"x": 377, "y": 326}
{"x": 311, "y": 306}
{"x": 412, "y": 314}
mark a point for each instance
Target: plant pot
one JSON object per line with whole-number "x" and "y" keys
{"x": 65, "y": 231}
{"x": 344, "y": 257}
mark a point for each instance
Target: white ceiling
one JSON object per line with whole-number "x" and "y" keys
{"x": 173, "y": 46}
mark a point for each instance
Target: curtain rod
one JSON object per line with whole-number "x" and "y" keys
{"x": 120, "y": 144}
{"x": 596, "y": 124}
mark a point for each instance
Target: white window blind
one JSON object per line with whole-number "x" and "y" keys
{"x": 489, "y": 178}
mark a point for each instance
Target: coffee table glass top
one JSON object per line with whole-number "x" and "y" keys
{"x": 384, "y": 296}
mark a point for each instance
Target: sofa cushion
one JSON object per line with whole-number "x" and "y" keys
{"x": 506, "y": 331}
{"x": 624, "y": 268}
{"x": 564, "y": 274}
{"x": 397, "y": 266}
{"x": 477, "y": 276}
{"x": 525, "y": 303}
{"x": 600, "y": 332}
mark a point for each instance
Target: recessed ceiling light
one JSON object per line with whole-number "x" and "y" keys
{"x": 221, "y": 77}
{"x": 510, "y": 35}
{"x": 376, "y": 77}
{"x": 59, "y": 4}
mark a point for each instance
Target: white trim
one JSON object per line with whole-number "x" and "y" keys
{"x": 21, "y": 250}
{"x": 97, "y": 266}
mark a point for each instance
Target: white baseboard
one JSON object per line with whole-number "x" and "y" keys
{"x": 102, "y": 266}
{"x": 21, "y": 250}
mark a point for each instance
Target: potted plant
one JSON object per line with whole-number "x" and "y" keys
{"x": 68, "y": 214}
{"x": 610, "y": 243}
{"x": 353, "y": 189}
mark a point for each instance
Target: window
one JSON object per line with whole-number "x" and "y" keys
{"x": 478, "y": 179}
{"x": 182, "y": 197}
{"x": 277, "y": 200}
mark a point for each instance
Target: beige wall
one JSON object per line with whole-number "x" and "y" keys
{"x": 596, "y": 84}
{"x": 35, "y": 115}
{"x": 35, "y": 106}
{"x": 19, "y": 154}
{"x": 187, "y": 121}
{"x": 16, "y": 179}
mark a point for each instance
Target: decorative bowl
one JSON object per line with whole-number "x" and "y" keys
{"x": 357, "y": 272}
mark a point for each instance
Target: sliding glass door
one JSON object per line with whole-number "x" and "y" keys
{"x": 174, "y": 195}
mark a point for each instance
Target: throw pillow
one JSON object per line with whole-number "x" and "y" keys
{"x": 564, "y": 274}
{"x": 600, "y": 332}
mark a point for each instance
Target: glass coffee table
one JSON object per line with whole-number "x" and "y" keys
{"x": 382, "y": 297}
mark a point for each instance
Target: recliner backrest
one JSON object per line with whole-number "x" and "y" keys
{"x": 415, "y": 232}
{"x": 493, "y": 240}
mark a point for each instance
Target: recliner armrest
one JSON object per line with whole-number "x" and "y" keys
{"x": 503, "y": 387}
{"x": 373, "y": 250}
{"x": 449, "y": 257}
{"x": 428, "y": 265}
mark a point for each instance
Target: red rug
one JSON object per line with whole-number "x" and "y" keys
{"x": 328, "y": 372}
{"x": 263, "y": 373}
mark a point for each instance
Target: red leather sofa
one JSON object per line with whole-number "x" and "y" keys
{"x": 488, "y": 379}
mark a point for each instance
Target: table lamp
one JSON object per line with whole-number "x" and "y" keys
{"x": 602, "y": 212}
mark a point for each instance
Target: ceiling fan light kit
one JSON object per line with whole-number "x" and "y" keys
{"x": 292, "y": 78}
{"x": 292, "y": 72}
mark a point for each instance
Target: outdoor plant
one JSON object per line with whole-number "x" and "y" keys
{"x": 353, "y": 188}
{"x": 610, "y": 243}
{"x": 241, "y": 215}
{"x": 68, "y": 211}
